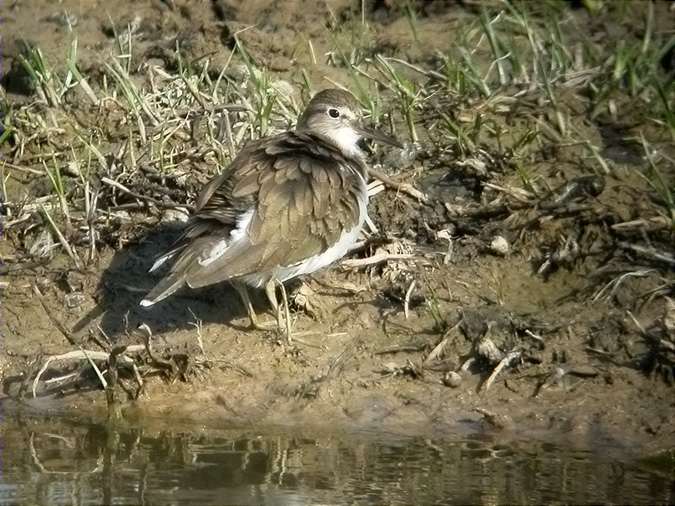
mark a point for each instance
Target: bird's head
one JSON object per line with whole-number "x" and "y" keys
{"x": 336, "y": 115}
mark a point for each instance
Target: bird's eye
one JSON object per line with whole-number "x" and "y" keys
{"x": 333, "y": 113}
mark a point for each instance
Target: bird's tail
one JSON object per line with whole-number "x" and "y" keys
{"x": 177, "y": 275}
{"x": 172, "y": 282}
{"x": 164, "y": 288}
{"x": 166, "y": 256}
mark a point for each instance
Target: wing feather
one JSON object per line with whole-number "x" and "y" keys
{"x": 301, "y": 193}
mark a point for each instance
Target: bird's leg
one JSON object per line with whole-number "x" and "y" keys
{"x": 287, "y": 311}
{"x": 246, "y": 300}
{"x": 271, "y": 291}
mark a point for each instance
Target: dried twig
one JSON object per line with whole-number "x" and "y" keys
{"x": 651, "y": 224}
{"x": 406, "y": 300}
{"x": 661, "y": 256}
{"x": 406, "y": 188}
{"x": 401, "y": 348}
{"x": 66, "y": 246}
{"x": 81, "y": 354}
{"x": 428, "y": 73}
{"x": 197, "y": 324}
{"x": 506, "y": 361}
{"x": 126, "y": 190}
{"x": 637, "y": 323}
{"x": 377, "y": 258}
{"x": 19, "y": 168}
{"x": 104, "y": 383}
{"x": 615, "y": 283}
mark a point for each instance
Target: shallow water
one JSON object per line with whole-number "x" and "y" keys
{"x": 58, "y": 461}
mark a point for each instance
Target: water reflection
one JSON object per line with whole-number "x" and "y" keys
{"x": 60, "y": 462}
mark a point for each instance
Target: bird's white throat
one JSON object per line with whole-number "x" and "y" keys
{"x": 347, "y": 139}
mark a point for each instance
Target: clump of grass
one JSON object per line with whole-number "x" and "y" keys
{"x": 270, "y": 100}
{"x": 411, "y": 17}
{"x": 463, "y": 76}
{"x": 666, "y": 90}
{"x": 45, "y": 80}
{"x": 633, "y": 68}
{"x": 457, "y": 133}
{"x": 658, "y": 182}
{"x": 74, "y": 74}
{"x": 141, "y": 143}
{"x": 407, "y": 90}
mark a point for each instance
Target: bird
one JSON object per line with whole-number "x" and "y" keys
{"x": 287, "y": 205}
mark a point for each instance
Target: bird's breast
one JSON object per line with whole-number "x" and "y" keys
{"x": 331, "y": 254}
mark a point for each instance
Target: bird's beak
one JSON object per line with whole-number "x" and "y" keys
{"x": 377, "y": 136}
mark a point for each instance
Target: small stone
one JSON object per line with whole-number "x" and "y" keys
{"x": 122, "y": 215}
{"x": 468, "y": 116}
{"x": 452, "y": 379}
{"x": 72, "y": 169}
{"x": 500, "y": 246}
{"x": 478, "y": 165}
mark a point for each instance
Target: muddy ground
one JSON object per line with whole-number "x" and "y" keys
{"x": 554, "y": 266}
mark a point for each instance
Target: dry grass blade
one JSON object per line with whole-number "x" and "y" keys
{"x": 660, "y": 256}
{"x": 406, "y": 300}
{"x": 438, "y": 350}
{"x": 64, "y": 242}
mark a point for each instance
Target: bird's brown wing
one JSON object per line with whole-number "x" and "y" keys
{"x": 216, "y": 212}
{"x": 303, "y": 195}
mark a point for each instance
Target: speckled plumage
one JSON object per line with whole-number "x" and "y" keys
{"x": 286, "y": 206}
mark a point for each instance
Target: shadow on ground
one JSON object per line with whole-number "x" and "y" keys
{"x": 127, "y": 280}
